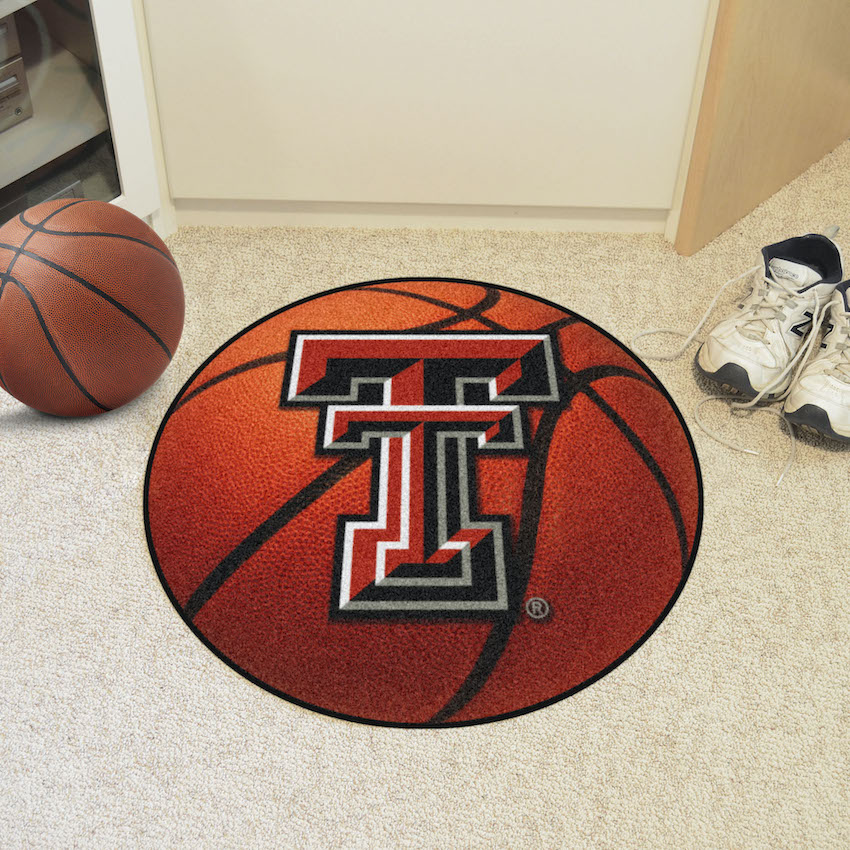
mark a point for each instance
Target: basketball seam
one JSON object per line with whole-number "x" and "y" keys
{"x": 461, "y": 314}
{"x": 418, "y": 296}
{"x": 281, "y": 356}
{"x": 558, "y": 324}
{"x": 651, "y": 463}
{"x": 585, "y": 376}
{"x": 501, "y": 631}
{"x": 39, "y": 228}
{"x": 65, "y": 207}
{"x": 247, "y": 366}
{"x": 214, "y": 580}
{"x": 18, "y": 248}
{"x": 611, "y": 371}
{"x": 266, "y": 530}
{"x": 474, "y": 313}
{"x": 64, "y": 363}
{"x": 5, "y": 277}
{"x": 90, "y": 286}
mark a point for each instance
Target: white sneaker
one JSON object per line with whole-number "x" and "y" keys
{"x": 820, "y": 397}
{"x": 754, "y": 350}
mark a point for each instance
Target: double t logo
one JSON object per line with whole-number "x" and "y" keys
{"x": 421, "y": 406}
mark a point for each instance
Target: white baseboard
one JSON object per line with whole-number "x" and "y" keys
{"x": 164, "y": 220}
{"x": 240, "y": 213}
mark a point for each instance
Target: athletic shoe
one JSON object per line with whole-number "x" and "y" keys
{"x": 820, "y": 397}
{"x": 754, "y": 350}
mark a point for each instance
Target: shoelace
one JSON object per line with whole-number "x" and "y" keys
{"x": 768, "y": 303}
{"x": 689, "y": 337}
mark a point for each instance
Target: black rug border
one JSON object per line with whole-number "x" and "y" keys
{"x": 686, "y": 571}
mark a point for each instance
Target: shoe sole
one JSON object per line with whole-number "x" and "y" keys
{"x": 816, "y": 418}
{"x": 733, "y": 377}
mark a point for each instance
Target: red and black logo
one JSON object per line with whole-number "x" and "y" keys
{"x": 423, "y": 503}
{"x": 422, "y": 407}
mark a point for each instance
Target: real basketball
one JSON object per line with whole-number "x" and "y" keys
{"x": 423, "y": 502}
{"x": 91, "y": 307}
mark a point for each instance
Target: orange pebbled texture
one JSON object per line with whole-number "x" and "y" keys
{"x": 91, "y": 307}
{"x": 603, "y": 508}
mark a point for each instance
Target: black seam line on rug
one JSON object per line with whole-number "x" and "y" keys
{"x": 266, "y": 530}
{"x": 461, "y": 314}
{"x": 19, "y": 248}
{"x": 560, "y": 323}
{"x": 56, "y": 351}
{"x": 90, "y": 286}
{"x": 279, "y": 357}
{"x": 651, "y": 464}
{"x": 39, "y": 228}
{"x": 585, "y": 376}
{"x": 473, "y": 313}
{"x": 497, "y": 640}
{"x": 532, "y": 505}
{"x": 594, "y": 373}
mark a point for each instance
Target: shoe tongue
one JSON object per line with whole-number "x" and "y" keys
{"x": 842, "y": 291}
{"x": 798, "y": 274}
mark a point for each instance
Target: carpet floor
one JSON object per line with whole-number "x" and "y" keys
{"x": 728, "y": 728}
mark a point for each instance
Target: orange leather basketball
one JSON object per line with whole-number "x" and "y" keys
{"x": 91, "y": 307}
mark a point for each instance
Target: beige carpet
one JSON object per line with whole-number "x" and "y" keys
{"x": 727, "y": 729}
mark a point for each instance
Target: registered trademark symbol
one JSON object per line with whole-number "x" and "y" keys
{"x": 537, "y": 608}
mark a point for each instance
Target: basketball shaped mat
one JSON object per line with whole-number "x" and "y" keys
{"x": 423, "y": 502}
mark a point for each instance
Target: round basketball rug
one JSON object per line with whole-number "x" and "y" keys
{"x": 423, "y": 502}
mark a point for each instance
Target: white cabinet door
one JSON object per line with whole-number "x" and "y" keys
{"x": 540, "y": 103}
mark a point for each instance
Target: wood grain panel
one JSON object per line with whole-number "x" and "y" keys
{"x": 776, "y": 99}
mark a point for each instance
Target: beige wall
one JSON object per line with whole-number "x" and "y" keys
{"x": 544, "y": 104}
